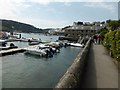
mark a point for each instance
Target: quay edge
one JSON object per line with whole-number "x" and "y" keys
{"x": 73, "y": 76}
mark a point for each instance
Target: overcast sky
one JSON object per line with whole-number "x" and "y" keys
{"x": 58, "y": 13}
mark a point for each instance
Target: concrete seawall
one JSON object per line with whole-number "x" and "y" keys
{"x": 72, "y": 78}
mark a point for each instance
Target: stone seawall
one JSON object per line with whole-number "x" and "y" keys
{"x": 72, "y": 78}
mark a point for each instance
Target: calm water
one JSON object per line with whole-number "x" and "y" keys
{"x": 36, "y": 36}
{"x": 26, "y": 71}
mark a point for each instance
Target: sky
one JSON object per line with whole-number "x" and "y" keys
{"x": 58, "y": 13}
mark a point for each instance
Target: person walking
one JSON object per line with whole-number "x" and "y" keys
{"x": 99, "y": 39}
{"x": 95, "y": 38}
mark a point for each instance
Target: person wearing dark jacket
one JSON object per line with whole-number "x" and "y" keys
{"x": 95, "y": 38}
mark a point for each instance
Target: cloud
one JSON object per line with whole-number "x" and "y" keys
{"x": 45, "y": 23}
{"x": 44, "y": 2}
{"x": 104, "y": 5}
{"x": 13, "y": 9}
{"x": 5, "y": 9}
{"x": 99, "y": 1}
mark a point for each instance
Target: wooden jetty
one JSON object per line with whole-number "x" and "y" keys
{"x": 11, "y": 51}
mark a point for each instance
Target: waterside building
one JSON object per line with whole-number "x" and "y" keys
{"x": 79, "y": 29}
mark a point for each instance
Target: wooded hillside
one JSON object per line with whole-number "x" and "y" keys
{"x": 11, "y": 26}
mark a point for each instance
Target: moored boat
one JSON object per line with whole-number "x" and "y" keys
{"x": 42, "y": 51}
{"x": 4, "y": 46}
{"x": 34, "y": 43}
{"x": 75, "y": 44}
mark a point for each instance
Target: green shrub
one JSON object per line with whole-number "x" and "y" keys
{"x": 106, "y": 41}
{"x": 102, "y": 33}
{"x": 112, "y": 43}
{"x": 117, "y": 35}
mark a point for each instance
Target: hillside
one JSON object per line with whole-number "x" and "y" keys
{"x": 11, "y": 26}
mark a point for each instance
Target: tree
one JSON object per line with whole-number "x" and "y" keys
{"x": 103, "y": 22}
{"x": 114, "y": 25}
{"x": 108, "y": 21}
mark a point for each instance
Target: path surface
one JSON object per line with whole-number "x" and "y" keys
{"x": 100, "y": 71}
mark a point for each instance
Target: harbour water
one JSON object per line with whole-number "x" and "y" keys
{"x": 35, "y": 36}
{"x": 26, "y": 71}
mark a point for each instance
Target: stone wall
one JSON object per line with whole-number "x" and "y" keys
{"x": 72, "y": 78}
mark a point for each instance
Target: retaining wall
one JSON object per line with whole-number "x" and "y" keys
{"x": 72, "y": 78}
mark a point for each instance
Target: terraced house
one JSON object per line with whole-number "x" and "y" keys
{"x": 83, "y": 29}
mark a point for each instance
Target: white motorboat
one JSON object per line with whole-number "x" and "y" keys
{"x": 35, "y": 51}
{"x": 54, "y": 44}
{"x": 34, "y": 40}
{"x": 42, "y": 51}
{"x": 51, "y": 48}
{"x": 75, "y": 44}
{"x": 34, "y": 43}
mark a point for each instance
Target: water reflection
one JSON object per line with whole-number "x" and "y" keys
{"x": 27, "y": 71}
{"x": 23, "y": 71}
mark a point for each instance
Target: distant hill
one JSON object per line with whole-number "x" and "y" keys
{"x": 12, "y": 26}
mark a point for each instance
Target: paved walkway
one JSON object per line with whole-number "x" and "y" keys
{"x": 100, "y": 71}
